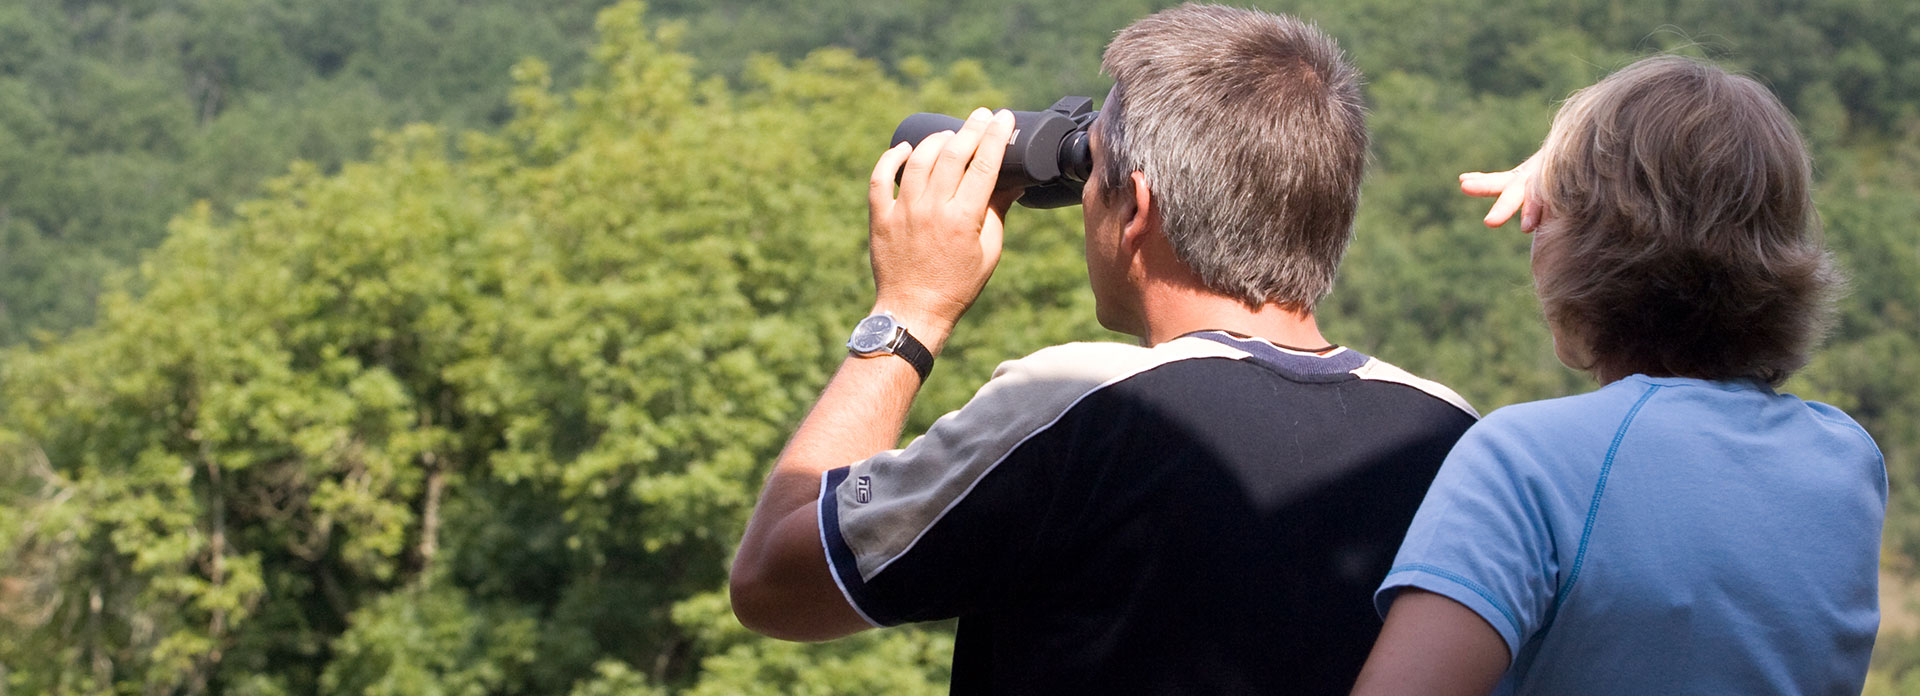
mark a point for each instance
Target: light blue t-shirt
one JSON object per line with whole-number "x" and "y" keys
{"x": 1661, "y": 535}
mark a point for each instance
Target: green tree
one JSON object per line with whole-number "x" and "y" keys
{"x": 412, "y": 425}
{"x": 114, "y": 116}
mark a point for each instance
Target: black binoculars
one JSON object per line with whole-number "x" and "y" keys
{"x": 1048, "y": 154}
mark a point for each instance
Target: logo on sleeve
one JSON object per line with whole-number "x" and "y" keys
{"x": 863, "y": 489}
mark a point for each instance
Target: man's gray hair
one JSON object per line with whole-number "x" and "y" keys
{"x": 1250, "y": 130}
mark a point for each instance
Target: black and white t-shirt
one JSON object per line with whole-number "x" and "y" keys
{"x": 1209, "y": 515}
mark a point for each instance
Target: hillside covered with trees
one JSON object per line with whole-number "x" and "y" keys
{"x": 441, "y": 347}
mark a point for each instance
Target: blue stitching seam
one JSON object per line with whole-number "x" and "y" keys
{"x": 1593, "y": 509}
{"x": 1464, "y": 582}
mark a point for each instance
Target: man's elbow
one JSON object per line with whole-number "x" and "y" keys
{"x": 764, "y": 608}
{"x": 768, "y": 603}
{"x": 753, "y": 601}
{"x": 781, "y": 587}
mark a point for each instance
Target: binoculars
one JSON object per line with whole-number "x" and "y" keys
{"x": 1048, "y": 154}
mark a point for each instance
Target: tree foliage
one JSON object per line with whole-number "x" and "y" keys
{"x": 407, "y": 427}
{"x": 114, "y": 116}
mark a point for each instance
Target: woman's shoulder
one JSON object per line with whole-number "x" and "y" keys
{"x": 1572, "y": 435}
{"x": 1589, "y": 414}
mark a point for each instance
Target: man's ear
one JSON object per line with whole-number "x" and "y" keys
{"x": 1142, "y": 216}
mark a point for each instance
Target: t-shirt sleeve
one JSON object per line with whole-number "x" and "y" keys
{"x": 937, "y": 529}
{"x": 1482, "y": 537}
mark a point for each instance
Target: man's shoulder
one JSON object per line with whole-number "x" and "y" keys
{"x": 1054, "y": 378}
{"x": 1073, "y": 370}
{"x": 1383, "y": 371}
{"x": 1099, "y": 362}
{"x": 1030, "y": 394}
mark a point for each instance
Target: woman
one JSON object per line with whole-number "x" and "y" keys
{"x": 1684, "y": 528}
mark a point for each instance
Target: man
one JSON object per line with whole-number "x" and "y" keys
{"x": 1207, "y": 512}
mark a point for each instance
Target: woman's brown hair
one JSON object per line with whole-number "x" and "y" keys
{"x": 1679, "y": 235}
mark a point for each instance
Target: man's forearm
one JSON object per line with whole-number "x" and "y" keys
{"x": 860, "y": 413}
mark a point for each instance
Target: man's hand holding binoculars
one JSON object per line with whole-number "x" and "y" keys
{"x": 935, "y": 245}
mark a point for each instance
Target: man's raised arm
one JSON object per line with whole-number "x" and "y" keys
{"x": 933, "y": 247}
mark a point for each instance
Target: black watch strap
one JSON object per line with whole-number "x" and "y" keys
{"x": 915, "y": 353}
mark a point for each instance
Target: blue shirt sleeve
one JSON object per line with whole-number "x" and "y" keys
{"x": 1483, "y": 536}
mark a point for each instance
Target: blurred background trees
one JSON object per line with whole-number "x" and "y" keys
{"x": 306, "y": 395}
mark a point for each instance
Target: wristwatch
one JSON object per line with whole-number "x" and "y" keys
{"x": 881, "y": 334}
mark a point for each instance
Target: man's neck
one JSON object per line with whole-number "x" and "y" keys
{"x": 1171, "y": 315}
{"x": 1172, "y": 302}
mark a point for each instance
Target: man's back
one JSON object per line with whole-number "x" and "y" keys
{"x": 1209, "y": 515}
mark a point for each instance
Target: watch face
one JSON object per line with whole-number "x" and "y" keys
{"x": 872, "y": 334}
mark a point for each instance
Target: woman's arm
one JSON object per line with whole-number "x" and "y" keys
{"x": 1433, "y": 646}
